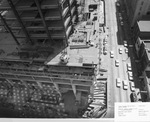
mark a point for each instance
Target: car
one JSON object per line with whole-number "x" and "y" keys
{"x": 102, "y": 70}
{"x": 119, "y": 14}
{"x": 117, "y": 63}
{"x": 121, "y": 23}
{"x": 118, "y": 82}
{"x": 132, "y": 86}
{"x": 129, "y": 68}
{"x": 120, "y": 18}
{"x": 130, "y": 73}
{"x": 104, "y": 47}
{"x": 125, "y": 84}
{"x": 133, "y": 97}
{"x": 111, "y": 54}
{"x": 130, "y": 76}
{"x": 104, "y": 43}
{"x": 120, "y": 50}
{"x": 105, "y": 39}
{"x": 105, "y": 52}
{"x": 125, "y": 43}
{"x": 126, "y": 50}
{"x": 91, "y": 43}
{"x": 117, "y": 4}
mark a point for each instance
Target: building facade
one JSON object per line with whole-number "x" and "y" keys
{"x": 136, "y": 9}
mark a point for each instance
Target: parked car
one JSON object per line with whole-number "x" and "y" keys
{"x": 132, "y": 86}
{"x": 118, "y": 4}
{"x": 105, "y": 52}
{"x": 119, "y": 14}
{"x": 120, "y": 50}
{"x": 120, "y": 17}
{"x": 125, "y": 43}
{"x": 117, "y": 63}
{"x": 130, "y": 76}
{"x": 118, "y": 82}
{"x": 125, "y": 84}
{"x": 105, "y": 43}
{"x": 129, "y": 68}
{"x": 111, "y": 54}
{"x": 104, "y": 48}
{"x": 133, "y": 97}
{"x": 121, "y": 23}
{"x": 126, "y": 50}
{"x": 105, "y": 40}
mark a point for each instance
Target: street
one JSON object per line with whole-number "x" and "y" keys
{"x": 117, "y": 33}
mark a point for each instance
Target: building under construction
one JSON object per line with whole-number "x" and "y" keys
{"x": 40, "y": 75}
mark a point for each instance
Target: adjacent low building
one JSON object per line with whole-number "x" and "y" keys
{"x": 141, "y": 29}
{"x": 142, "y": 47}
{"x": 141, "y": 40}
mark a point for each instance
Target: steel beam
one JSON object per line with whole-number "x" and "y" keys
{"x": 57, "y": 88}
{"x": 68, "y": 1}
{"x": 19, "y": 19}
{"x": 9, "y": 29}
{"x": 9, "y": 81}
{"x": 43, "y": 20}
{"x": 62, "y": 18}
{"x": 74, "y": 90}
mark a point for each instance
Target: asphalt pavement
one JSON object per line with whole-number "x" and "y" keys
{"x": 116, "y": 35}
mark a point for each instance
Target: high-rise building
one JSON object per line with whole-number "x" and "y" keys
{"x": 34, "y": 67}
{"x": 136, "y": 9}
{"x": 40, "y": 20}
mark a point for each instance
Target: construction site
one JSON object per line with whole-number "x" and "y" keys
{"x": 50, "y": 59}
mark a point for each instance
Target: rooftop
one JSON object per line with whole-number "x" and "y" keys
{"x": 144, "y": 26}
{"x": 79, "y": 51}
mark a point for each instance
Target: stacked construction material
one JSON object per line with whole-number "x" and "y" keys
{"x": 97, "y": 104}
